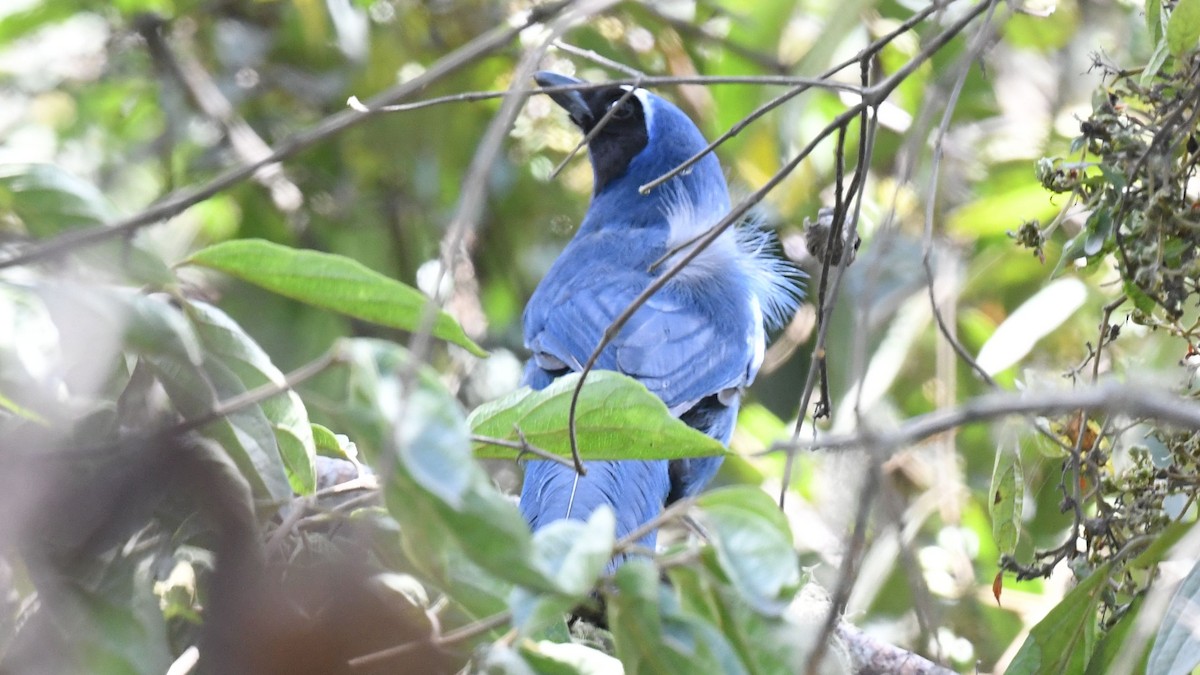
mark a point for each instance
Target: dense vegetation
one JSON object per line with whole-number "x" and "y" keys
{"x": 232, "y": 419}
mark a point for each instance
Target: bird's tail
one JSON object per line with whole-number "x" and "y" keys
{"x": 634, "y": 490}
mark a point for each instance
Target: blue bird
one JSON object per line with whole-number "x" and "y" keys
{"x": 697, "y": 343}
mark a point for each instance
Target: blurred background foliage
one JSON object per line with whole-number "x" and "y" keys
{"x": 107, "y": 107}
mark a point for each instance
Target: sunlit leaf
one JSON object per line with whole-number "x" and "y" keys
{"x": 617, "y": 418}
{"x": 331, "y": 282}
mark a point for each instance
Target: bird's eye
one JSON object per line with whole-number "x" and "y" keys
{"x": 621, "y": 109}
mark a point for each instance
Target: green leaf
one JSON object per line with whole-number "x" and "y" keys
{"x": 110, "y": 626}
{"x": 1062, "y": 641}
{"x": 1006, "y": 494}
{"x": 654, "y": 635}
{"x": 1111, "y": 647}
{"x": 765, "y": 644}
{"x": 572, "y": 553}
{"x": 331, "y": 282}
{"x": 245, "y": 434}
{"x": 1154, "y": 22}
{"x": 429, "y": 433}
{"x": 22, "y": 23}
{"x": 1183, "y": 26}
{"x": 617, "y": 418}
{"x": 441, "y": 497}
{"x": 553, "y": 658}
{"x": 225, "y": 340}
{"x": 330, "y": 444}
{"x": 99, "y": 322}
{"x": 753, "y": 544}
{"x": 1176, "y": 649}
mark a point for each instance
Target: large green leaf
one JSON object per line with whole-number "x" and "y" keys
{"x": 225, "y": 340}
{"x": 617, "y": 418}
{"x": 753, "y": 544}
{"x": 1183, "y": 26}
{"x": 1063, "y": 641}
{"x": 331, "y": 282}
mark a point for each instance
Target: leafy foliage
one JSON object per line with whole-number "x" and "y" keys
{"x": 212, "y": 430}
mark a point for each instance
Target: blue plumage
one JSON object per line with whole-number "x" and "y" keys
{"x": 696, "y": 344}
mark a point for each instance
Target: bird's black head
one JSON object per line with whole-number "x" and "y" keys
{"x": 622, "y": 137}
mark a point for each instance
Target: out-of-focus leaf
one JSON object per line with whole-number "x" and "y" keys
{"x": 654, "y": 635}
{"x": 1062, "y": 642}
{"x": 1154, "y": 21}
{"x": 106, "y": 321}
{"x": 331, "y": 282}
{"x": 96, "y": 323}
{"x": 48, "y": 200}
{"x": 1176, "y": 648}
{"x": 121, "y": 627}
{"x": 753, "y": 544}
{"x": 225, "y": 340}
{"x": 1007, "y": 493}
{"x": 993, "y": 215}
{"x": 246, "y": 434}
{"x": 1183, "y": 26}
{"x": 428, "y": 429}
{"x": 1036, "y": 318}
{"x": 437, "y": 492}
{"x": 572, "y": 553}
{"x": 1161, "y": 545}
{"x": 20, "y": 24}
{"x": 765, "y": 644}
{"x": 617, "y": 418}
{"x": 1109, "y": 649}
{"x": 553, "y": 658}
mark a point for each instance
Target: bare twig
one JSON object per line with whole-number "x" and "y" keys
{"x": 1112, "y": 398}
{"x": 437, "y": 639}
{"x": 522, "y": 446}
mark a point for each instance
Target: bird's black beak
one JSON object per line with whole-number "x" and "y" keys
{"x": 571, "y": 101}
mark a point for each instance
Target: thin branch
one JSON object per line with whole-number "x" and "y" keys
{"x": 872, "y": 656}
{"x": 437, "y": 639}
{"x": 522, "y": 446}
{"x": 800, "y": 87}
{"x": 260, "y": 393}
{"x": 1111, "y": 398}
{"x": 646, "y": 80}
